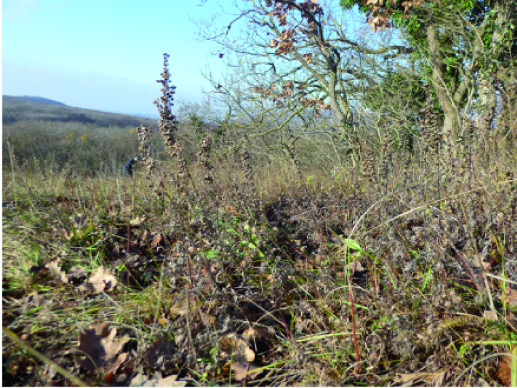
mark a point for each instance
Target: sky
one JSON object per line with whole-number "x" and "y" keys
{"x": 105, "y": 54}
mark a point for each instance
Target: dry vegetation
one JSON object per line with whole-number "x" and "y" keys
{"x": 230, "y": 264}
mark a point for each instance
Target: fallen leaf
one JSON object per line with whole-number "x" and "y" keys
{"x": 77, "y": 273}
{"x": 56, "y": 271}
{"x": 159, "y": 352}
{"x": 250, "y": 334}
{"x": 150, "y": 320}
{"x": 439, "y": 378}
{"x": 179, "y": 308}
{"x": 435, "y": 379}
{"x": 236, "y": 348}
{"x": 110, "y": 375}
{"x": 157, "y": 240}
{"x": 241, "y": 370}
{"x": 505, "y": 370}
{"x": 101, "y": 281}
{"x": 163, "y": 321}
{"x": 99, "y": 345}
{"x": 477, "y": 261}
{"x": 67, "y": 234}
{"x": 511, "y": 296}
{"x": 144, "y": 381}
{"x": 355, "y": 266}
{"x": 489, "y": 315}
{"x": 137, "y": 221}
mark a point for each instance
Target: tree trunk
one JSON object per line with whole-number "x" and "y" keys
{"x": 450, "y": 122}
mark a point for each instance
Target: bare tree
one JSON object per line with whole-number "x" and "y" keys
{"x": 298, "y": 55}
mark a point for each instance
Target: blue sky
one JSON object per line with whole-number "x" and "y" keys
{"x": 105, "y": 54}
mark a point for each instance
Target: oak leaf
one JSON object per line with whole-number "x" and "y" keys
{"x": 101, "y": 280}
{"x": 99, "y": 345}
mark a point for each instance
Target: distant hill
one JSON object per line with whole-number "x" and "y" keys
{"x": 29, "y": 108}
{"x": 36, "y": 99}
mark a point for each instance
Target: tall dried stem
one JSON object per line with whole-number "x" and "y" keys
{"x": 168, "y": 124}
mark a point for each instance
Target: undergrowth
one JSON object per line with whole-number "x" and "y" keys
{"x": 225, "y": 269}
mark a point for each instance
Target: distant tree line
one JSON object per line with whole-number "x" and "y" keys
{"x": 18, "y": 109}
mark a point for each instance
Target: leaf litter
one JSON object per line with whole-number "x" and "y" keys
{"x": 265, "y": 304}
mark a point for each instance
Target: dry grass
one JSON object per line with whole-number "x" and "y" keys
{"x": 399, "y": 271}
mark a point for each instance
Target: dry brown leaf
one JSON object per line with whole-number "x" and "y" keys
{"x": 241, "y": 370}
{"x": 101, "y": 281}
{"x": 76, "y": 273}
{"x": 155, "y": 381}
{"x": 56, "y": 270}
{"x": 511, "y": 296}
{"x": 236, "y": 348}
{"x": 110, "y": 375}
{"x": 355, "y": 266}
{"x": 137, "y": 221}
{"x": 504, "y": 372}
{"x": 251, "y": 334}
{"x": 378, "y": 23}
{"x": 477, "y": 261}
{"x": 407, "y": 5}
{"x": 180, "y": 307}
{"x": 490, "y": 315}
{"x": 406, "y": 379}
{"x": 66, "y": 234}
{"x": 439, "y": 378}
{"x": 157, "y": 240}
{"x": 99, "y": 345}
{"x": 434, "y": 379}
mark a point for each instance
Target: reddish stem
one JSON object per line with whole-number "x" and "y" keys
{"x": 353, "y": 326}
{"x": 127, "y": 242}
